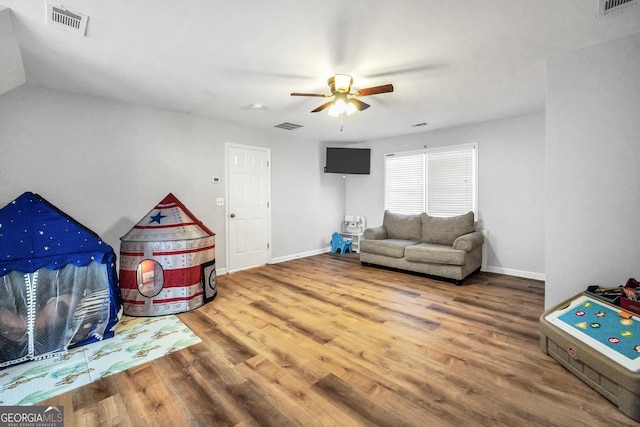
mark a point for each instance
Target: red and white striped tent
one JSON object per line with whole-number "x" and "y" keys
{"x": 167, "y": 262}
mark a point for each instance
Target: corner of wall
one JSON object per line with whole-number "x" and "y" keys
{"x": 12, "y": 72}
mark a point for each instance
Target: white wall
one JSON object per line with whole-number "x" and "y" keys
{"x": 593, "y": 168}
{"x": 511, "y": 187}
{"x": 107, "y": 164}
{"x": 12, "y": 72}
{"x": 308, "y": 205}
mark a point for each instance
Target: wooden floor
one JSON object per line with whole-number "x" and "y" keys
{"x": 323, "y": 341}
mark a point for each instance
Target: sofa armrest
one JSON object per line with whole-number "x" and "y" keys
{"x": 376, "y": 233}
{"x": 468, "y": 242}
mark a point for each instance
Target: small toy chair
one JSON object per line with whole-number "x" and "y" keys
{"x": 339, "y": 245}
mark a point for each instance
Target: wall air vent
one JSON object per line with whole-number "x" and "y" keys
{"x": 608, "y": 6}
{"x": 288, "y": 126}
{"x": 59, "y": 17}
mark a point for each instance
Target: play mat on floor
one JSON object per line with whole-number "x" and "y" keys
{"x": 137, "y": 340}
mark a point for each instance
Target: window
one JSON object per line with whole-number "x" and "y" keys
{"x": 442, "y": 182}
{"x": 405, "y": 177}
{"x": 150, "y": 278}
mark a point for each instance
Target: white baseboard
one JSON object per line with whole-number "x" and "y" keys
{"x": 489, "y": 269}
{"x": 513, "y": 272}
{"x": 299, "y": 255}
{"x": 223, "y": 270}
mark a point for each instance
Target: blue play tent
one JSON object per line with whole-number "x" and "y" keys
{"x": 58, "y": 282}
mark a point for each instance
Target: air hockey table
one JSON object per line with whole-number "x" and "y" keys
{"x": 600, "y": 344}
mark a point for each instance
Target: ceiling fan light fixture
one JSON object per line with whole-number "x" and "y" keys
{"x": 350, "y": 108}
{"x": 342, "y": 105}
{"x": 342, "y": 83}
{"x": 338, "y": 107}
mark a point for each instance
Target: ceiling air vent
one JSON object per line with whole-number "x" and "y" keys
{"x": 607, "y": 6}
{"x": 288, "y": 126}
{"x": 65, "y": 19}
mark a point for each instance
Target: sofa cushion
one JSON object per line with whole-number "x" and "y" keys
{"x": 393, "y": 248}
{"x": 445, "y": 231}
{"x": 400, "y": 226}
{"x": 434, "y": 254}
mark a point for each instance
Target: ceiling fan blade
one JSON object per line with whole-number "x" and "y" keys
{"x": 359, "y": 104}
{"x": 374, "y": 90}
{"x": 323, "y": 106}
{"x": 309, "y": 94}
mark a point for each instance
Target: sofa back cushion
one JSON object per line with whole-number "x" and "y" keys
{"x": 401, "y": 226}
{"x": 444, "y": 231}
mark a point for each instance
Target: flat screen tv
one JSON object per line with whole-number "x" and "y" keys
{"x": 348, "y": 160}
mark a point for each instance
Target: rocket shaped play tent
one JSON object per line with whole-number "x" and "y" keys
{"x": 167, "y": 262}
{"x": 58, "y": 282}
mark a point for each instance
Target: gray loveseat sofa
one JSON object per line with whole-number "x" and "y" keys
{"x": 450, "y": 248}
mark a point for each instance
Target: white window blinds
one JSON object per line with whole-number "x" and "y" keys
{"x": 405, "y": 178}
{"x": 441, "y": 182}
{"x": 451, "y": 181}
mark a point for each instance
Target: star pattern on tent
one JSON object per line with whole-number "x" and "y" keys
{"x": 157, "y": 218}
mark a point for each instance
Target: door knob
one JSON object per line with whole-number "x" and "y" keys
{"x": 233, "y": 215}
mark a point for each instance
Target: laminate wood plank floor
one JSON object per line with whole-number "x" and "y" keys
{"x": 324, "y": 341}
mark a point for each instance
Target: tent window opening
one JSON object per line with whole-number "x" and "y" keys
{"x": 150, "y": 278}
{"x": 442, "y": 182}
{"x": 209, "y": 277}
{"x": 49, "y": 311}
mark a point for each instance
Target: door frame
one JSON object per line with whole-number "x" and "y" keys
{"x": 267, "y": 151}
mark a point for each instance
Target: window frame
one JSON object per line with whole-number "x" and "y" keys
{"x": 424, "y": 153}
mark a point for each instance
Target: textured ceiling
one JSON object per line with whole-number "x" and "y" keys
{"x": 451, "y": 62}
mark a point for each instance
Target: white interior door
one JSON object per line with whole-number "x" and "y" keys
{"x": 248, "y": 202}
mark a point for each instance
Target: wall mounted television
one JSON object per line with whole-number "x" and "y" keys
{"x": 348, "y": 160}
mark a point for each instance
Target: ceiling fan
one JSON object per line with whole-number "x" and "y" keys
{"x": 344, "y": 99}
